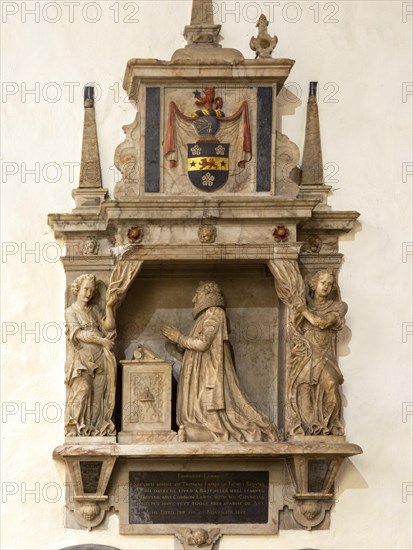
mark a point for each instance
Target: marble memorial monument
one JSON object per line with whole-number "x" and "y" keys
{"x": 225, "y": 417}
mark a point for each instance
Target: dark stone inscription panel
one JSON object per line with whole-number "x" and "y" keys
{"x": 152, "y": 139}
{"x": 90, "y": 472}
{"x": 264, "y": 137}
{"x": 317, "y": 471}
{"x": 198, "y": 497}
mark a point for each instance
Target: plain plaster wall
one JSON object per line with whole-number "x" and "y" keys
{"x": 361, "y": 63}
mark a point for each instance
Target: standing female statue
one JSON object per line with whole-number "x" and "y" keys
{"x": 91, "y": 366}
{"x": 315, "y": 406}
{"x": 211, "y": 406}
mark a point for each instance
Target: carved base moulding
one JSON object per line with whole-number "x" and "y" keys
{"x": 261, "y": 478}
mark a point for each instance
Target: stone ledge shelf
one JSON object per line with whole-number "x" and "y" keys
{"x": 210, "y": 450}
{"x": 308, "y": 506}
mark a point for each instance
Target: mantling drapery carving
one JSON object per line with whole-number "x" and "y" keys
{"x": 289, "y": 284}
{"x": 121, "y": 279}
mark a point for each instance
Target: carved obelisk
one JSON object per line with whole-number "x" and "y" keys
{"x": 89, "y": 195}
{"x": 312, "y": 168}
{"x": 90, "y": 174}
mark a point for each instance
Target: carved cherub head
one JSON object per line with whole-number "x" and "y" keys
{"x": 323, "y": 284}
{"x": 90, "y": 247}
{"x": 312, "y": 244}
{"x": 200, "y": 537}
{"x": 207, "y": 233}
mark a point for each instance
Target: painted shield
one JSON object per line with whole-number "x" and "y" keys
{"x": 208, "y": 165}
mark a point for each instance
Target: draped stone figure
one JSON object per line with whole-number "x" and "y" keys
{"x": 314, "y": 380}
{"x": 211, "y": 406}
{"x": 91, "y": 367}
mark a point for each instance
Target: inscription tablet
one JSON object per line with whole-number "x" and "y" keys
{"x": 198, "y": 497}
{"x": 90, "y": 472}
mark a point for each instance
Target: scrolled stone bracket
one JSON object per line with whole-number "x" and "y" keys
{"x": 87, "y": 478}
{"x": 310, "y": 507}
{"x": 310, "y": 512}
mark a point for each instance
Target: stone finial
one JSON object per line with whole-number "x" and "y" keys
{"x": 89, "y": 97}
{"x": 90, "y": 175}
{"x": 263, "y": 44}
{"x": 202, "y": 36}
{"x": 312, "y": 168}
{"x": 202, "y": 30}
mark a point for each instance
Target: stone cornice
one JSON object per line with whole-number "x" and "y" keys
{"x": 341, "y": 221}
{"x": 184, "y": 210}
{"x": 153, "y": 71}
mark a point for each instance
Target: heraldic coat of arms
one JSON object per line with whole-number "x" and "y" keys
{"x": 208, "y": 159}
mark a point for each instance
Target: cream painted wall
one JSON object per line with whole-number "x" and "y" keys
{"x": 361, "y": 62}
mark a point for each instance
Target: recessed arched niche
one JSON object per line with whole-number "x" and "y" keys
{"x": 162, "y": 294}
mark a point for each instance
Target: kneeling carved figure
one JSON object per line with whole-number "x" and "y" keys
{"x": 211, "y": 405}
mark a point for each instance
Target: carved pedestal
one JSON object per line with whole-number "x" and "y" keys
{"x": 146, "y": 407}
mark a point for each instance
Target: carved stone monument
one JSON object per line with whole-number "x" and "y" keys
{"x": 233, "y": 422}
